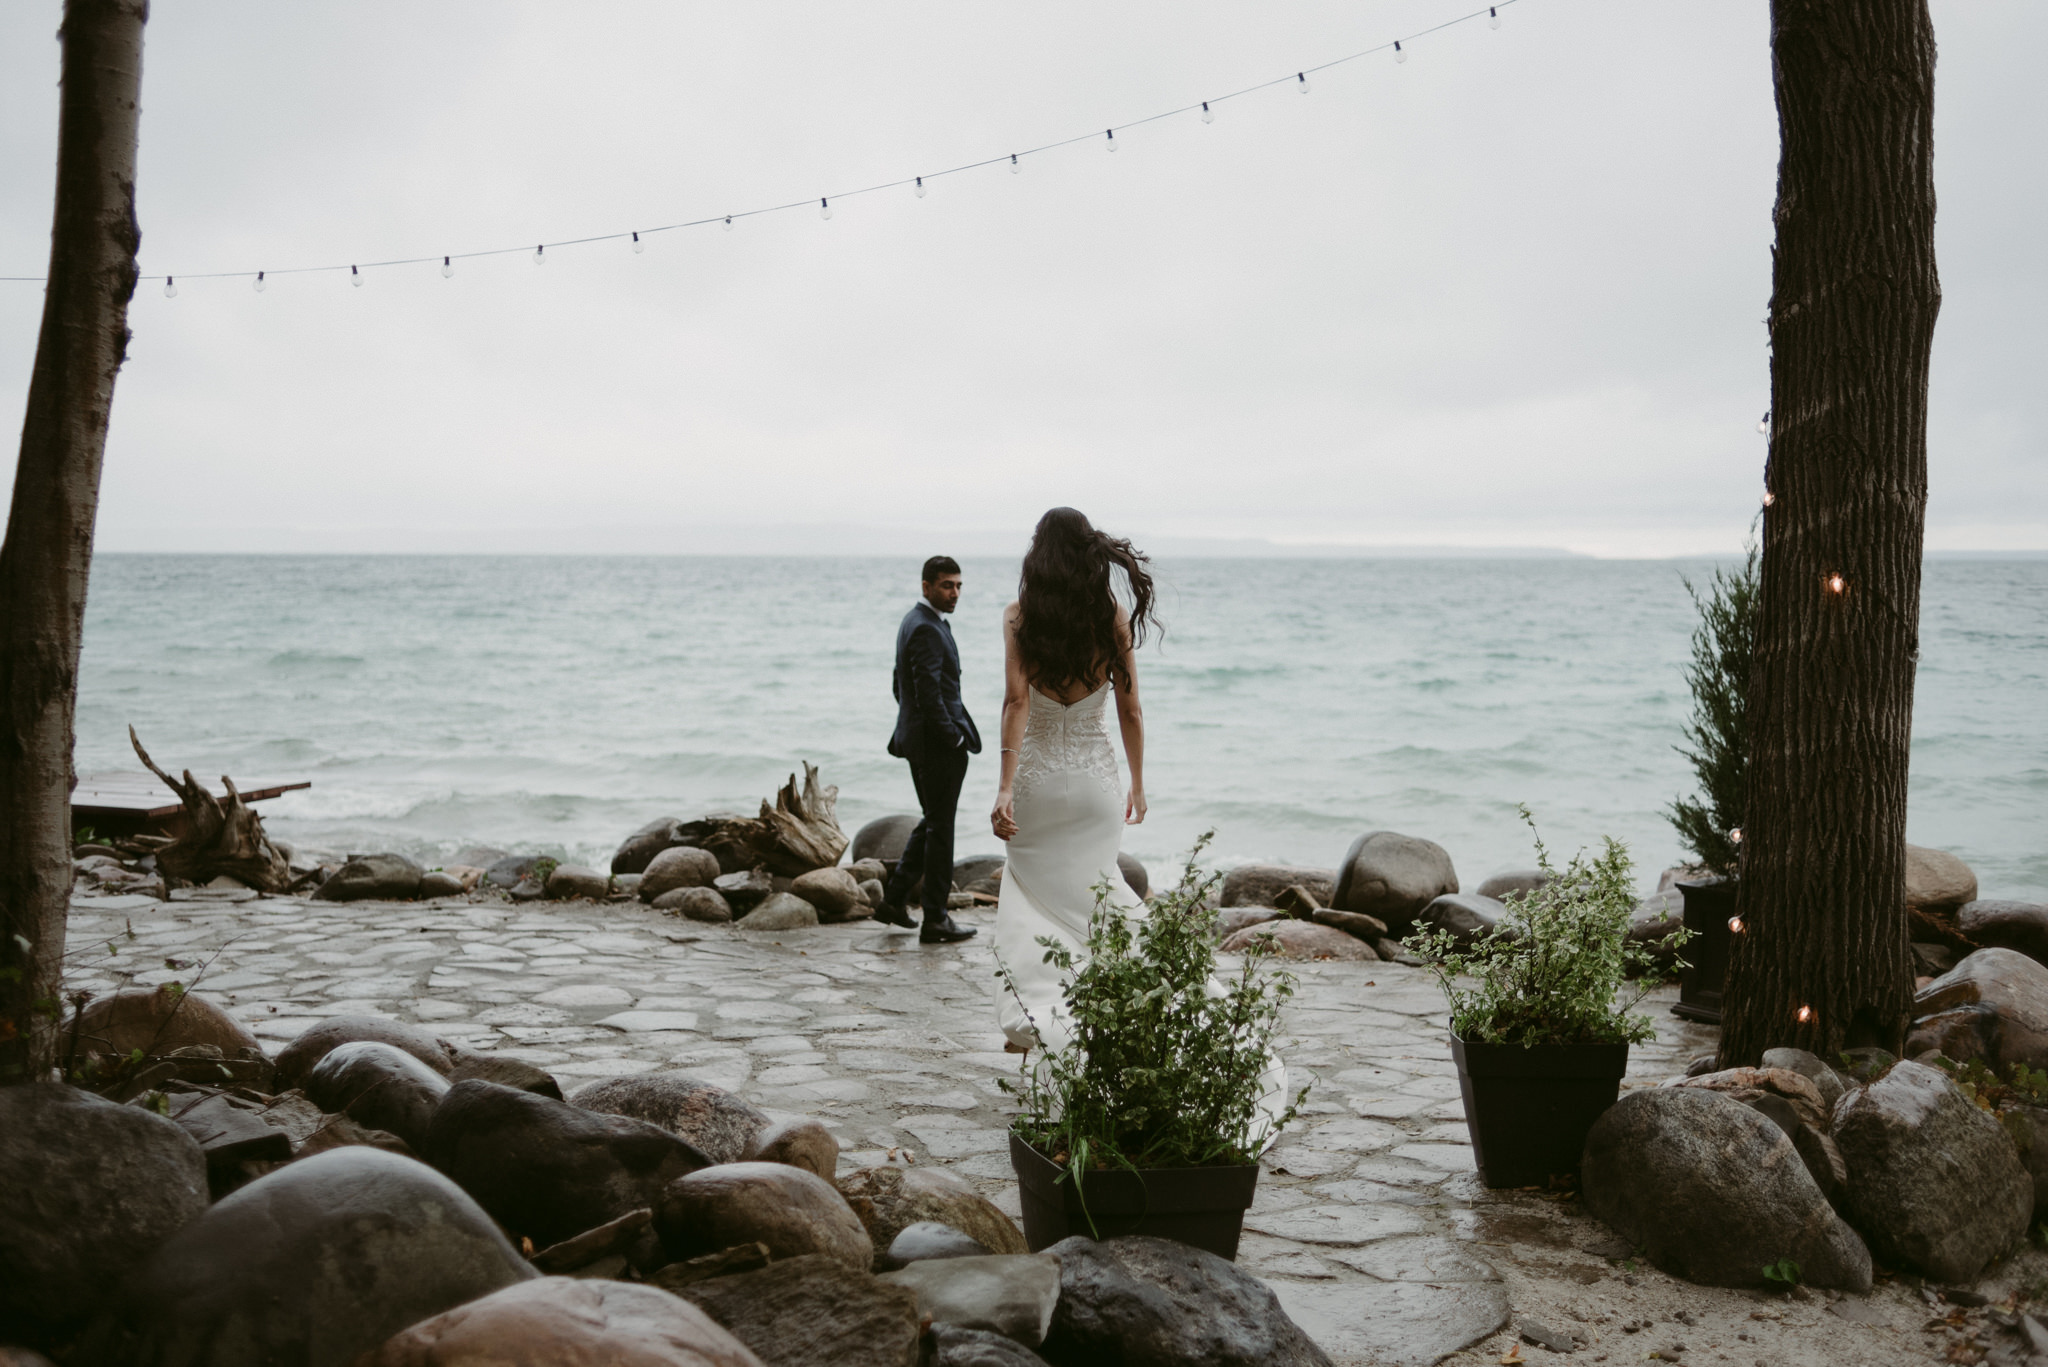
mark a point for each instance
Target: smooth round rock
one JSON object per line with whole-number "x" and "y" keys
{"x": 2007, "y": 925}
{"x": 1136, "y": 1299}
{"x": 889, "y": 1199}
{"x": 1993, "y": 1005}
{"x": 782, "y": 911}
{"x": 380, "y": 1086}
{"x": 792, "y": 1211}
{"x": 1134, "y": 874}
{"x": 1393, "y": 877}
{"x": 1502, "y": 886}
{"x": 708, "y": 1116}
{"x": 569, "y": 881}
{"x": 564, "y": 1322}
{"x": 927, "y": 1240}
{"x": 313, "y": 1043}
{"x": 745, "y": 889}
{"x": 1292, "y": 939}
{"x": 438, "y": 883}
{"x": 1937, "y": 881}
{"x": 637, "y": 850}
{"x": 884, "y": 837}
{"x": 88, "y": 1190}
{"x": 311, "y": 1266}
{"x": 157, "y": 1021}
{"x": 799, "y": 1143}
{"x": 694, "y": 904}
{"x": 679, "y": 866}
{"x": 1256, "y": 885}
{"x": 833, "y": 892}
{"x": 1467, "y": 915}
{"x": 382, "y": 877}
{"x": 1011, "y": 1294}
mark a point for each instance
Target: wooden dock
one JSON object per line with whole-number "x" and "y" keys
{"x": 123, "y": 803}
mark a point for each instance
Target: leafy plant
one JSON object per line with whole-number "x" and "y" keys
{"x": 1718, "y": 734}
{"x": 1556, "y": 970}
{"x": 1159, "y": 1071}
{"x": 543, "y": 869}
{"x": 1784, "y": 1272}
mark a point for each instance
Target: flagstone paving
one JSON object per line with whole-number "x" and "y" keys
{"x": 1370, "y": 1221}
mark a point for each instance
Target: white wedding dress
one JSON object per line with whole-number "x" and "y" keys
{"x": 1069, "y": 802}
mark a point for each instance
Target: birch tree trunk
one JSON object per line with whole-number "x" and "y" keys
{"x": 1822, "y": 961}
{"x": 47, "y": 555}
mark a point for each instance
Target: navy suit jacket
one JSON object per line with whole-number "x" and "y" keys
{"x": 929, "y": 715}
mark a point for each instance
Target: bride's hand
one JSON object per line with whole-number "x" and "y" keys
{"x": 1134, "y": 807}
{"x": 1004, "y": 818}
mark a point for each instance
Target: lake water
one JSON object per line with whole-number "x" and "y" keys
{"x": 553, "y": 704}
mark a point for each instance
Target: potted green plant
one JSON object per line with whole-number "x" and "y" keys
{"x": 1710, "y": 824}
{"x": 1148, "y": 1118}
{"x": 1541, "y": 1014}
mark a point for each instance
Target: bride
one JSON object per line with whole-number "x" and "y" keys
{"x": 1070, "y": 648}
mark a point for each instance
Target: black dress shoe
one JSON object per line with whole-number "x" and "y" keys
{"x": 892, "y": 915}
{"x": 941, "y": 929}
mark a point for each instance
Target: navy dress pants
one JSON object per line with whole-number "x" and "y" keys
{"x": 928, "y": 854}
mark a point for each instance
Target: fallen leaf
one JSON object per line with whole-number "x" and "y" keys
{"x": 1513, "y": 1356}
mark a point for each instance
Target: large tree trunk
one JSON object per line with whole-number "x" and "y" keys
{"x": 48, "y": 551}
{"x": 1822, "y": 962}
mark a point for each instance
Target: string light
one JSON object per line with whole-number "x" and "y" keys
{"x": 1015, "y": 165}
{"x": 1399, "y": 55}
{"x": 1208, "y": 114}
{"x": 447, "y": 268}
{"x": 1735, "y": 836}
{"x": 1763, "y": 424}
{"x": 1735, "y": 924}
{"x": 540, "y": 255}
{"x": 638, "y": 245}
{"x": 355, "y": 277}
{"x": 1805, "y": 1015}
{"x": 824, "y": 208}
{"x": 1769, "y": 498}
{"x": 1836, "y": 583}
{"x": 1493, "y": 16}
{"x": 170, "y": 288}
{"x": 1110, "y": 133}
{"x": 1301, "y": 81}
{"x": 920, "y": 187}
{"x": 257, "y": 283}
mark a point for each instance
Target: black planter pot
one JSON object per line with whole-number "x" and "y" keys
{"x": 1528, "y": 1110}
{"x": 1200, "y": 1206}
{"x": 1708, "y": 906}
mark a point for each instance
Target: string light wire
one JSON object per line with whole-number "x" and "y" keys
{"x": 1297, "y": 79}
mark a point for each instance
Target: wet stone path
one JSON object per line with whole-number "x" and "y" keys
{"x": 1370, "y": 1221}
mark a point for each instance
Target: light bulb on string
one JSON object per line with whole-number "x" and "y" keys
{"x": 1492, "y": 16}
{"x": 1763, "y": 424}
{"x": 540, "y": 255}
{"x": 447, "y": 268}
{"x": 1769, "y": 498}
{"x": 638, "y": 245}
{"x": 920, "y": 187}
{"x": 1735, "y": 836}
{"x": 1301, "y": 82}
{"x": 355, "y": 277}
{"x": 1804, "y": 1015}
{"x": 824, "y": 208}
{"x": 1735, "y": 924}
{"x": 1015, "y": 165}
{"x": 257, "y": 283}
{"x": 1399, "y": 55}
{"x": 1110, "y": 133}
{"x": 1836, "y": 584}
{"x": 1208, "y": 114}
{"x": 170, "y": 288}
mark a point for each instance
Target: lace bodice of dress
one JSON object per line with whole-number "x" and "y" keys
{"x": 1068, "y": 738}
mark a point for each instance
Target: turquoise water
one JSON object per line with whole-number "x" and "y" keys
{"x": 554, "y": 704}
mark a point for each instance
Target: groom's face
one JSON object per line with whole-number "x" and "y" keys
{"x": 943, "y": 593}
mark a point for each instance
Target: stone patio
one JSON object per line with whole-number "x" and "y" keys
{"x": 1370, "y": 1222}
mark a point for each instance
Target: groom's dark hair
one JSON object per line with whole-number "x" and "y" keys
{"x": 938, "y": 565}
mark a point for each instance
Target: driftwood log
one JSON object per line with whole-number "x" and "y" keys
{"x": 220, "y": 838}
{"x": 796, "y": 834}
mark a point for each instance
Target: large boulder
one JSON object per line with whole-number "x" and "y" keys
{"x": 637, "y": 850}
{"x": 791, "y": 1211}
{"x": 1256, "y": 885}
{"x": 2008, "y": 925}
{"x": 314, "y": 1043}
{"x": 711, "y": 1118}
{"x": 681, "y": 866}
{"x": 380, "y": 877}
{"x": 1008, "y": 1294}
{"x": 1826, "y": 1081}
{"x": 884, "y": 838}
{"x": 782, "y": 911}
{"x": 1713, "y": 1191}
{"x": 564, "y": 1322}
{"x": 1934, "y": 1182}
{"x": 2029, "y": 1126}
{"x": 1136, "y": 1299}
{"x": 311, "y": 1266}
{"x": 1469, "y": 916}
{"x": 157, "y": 1020}
{"x": 1993, "y": 1005}
{"x": 889, "y": 1199}
{"x": 379, "y": 1086}
{"x": 814, "y": 1311}
{"x": 1937, "y": 881}
{"x": 1393, "y": 877}
{"x": 88, "y": 1189}
{"x": 833, "y": 892}
{"x": 547, "y": 1169}
{"x": 1292, "y": 939}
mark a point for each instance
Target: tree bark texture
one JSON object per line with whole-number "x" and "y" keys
{"x": 1822, "y": 962}
{"x": 47, "y": 555}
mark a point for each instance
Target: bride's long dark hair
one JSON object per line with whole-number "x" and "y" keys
{"x": 1066, "y": 608}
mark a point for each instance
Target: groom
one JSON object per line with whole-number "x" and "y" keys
{"x": 933, "y": 732}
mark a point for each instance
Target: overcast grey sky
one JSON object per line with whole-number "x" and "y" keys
{"x": 1511, "y": 291}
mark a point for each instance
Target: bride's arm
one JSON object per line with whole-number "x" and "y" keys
{"x": 1130, "y": 718}
{"x": 1016, "y": 711}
